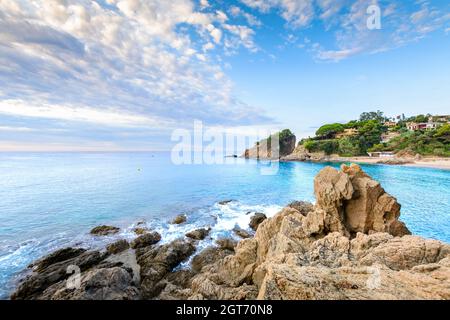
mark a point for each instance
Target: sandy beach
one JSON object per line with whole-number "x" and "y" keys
{"x": 437, "y": 163}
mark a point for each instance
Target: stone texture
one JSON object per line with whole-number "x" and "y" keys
{"x": 198, "y": 234}
{"x": 256, "y": 220}
{"x": 118, "y": 246}
{"x": 147, "y": 239}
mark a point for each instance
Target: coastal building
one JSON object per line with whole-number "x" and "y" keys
{"x": 413, "y": 126}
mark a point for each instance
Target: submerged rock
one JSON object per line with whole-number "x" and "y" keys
{"x": 256, "y": 220}
{"x": 118, "y": 246}
{"x": 225, "y": 202}
{"x": 179, "y": 219}
{"x": 104, "y": 230}
{"x": 198, "y": 234}
{"x": 146, "y": 240}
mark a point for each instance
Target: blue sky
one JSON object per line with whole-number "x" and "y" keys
{"x": 123, "y": 74}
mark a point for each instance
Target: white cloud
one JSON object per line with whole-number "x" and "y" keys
{"x": 76, "y": 113}
{"x": 146, "y": 58}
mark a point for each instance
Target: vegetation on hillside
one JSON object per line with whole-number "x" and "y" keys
{"x": 358, "y": 137}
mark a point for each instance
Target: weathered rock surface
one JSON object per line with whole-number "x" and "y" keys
{"x": 264, "y": 149}
{"x": 241, "y": 233}
{"x": 146, "y": 240}
{"x": 98, "y": 284}
{"x": 33, "y": 286}
{"x": 157, "y": 262}
{"x": 104, "y": 230}
{"x": 118, "y": 246}
{"x": 198, "y": 234}
{"x": 256, "y": 220}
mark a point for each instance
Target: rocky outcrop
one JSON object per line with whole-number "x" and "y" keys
{"x": 198, "y": 234}
{"x": 158, "y": 262}
{"x": 146, "y": 240}
{"x": 269, "y": 149}
{"x": 118, "y": 246}
{"x": 179, "y": 219}
{"x": 104, "y": 230}
{"x": 33, "y": 286}
{"x": 350, "y": 245}
{"x": 256, "y": 220}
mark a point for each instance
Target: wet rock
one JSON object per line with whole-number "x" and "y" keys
{"x": 157, "y": 262}
{"x": 104, "y": 230}
{"x": 241, "y": 233}
{"x": 57, "y": 256}
{"x": 146, "y": 240}
{"x": 35, "y": 284}
{"x": 256, "y": 220}
{"x": 140, "y": 231}
{"x": 198, "y": 234}
{"x": 179, "y": 219}
{"x": 118, "y": 246}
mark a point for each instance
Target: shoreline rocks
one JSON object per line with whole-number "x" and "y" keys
{"x": 349, "y": 245}
{"x": 181, "y": 218}
{"x": 104, "y": 230}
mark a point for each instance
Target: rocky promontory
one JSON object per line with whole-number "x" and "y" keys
{"x": 264, "y": 150}
{"x": 349, "y": 245}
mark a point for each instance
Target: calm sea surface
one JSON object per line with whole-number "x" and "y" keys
{"x": 49, "y": 200}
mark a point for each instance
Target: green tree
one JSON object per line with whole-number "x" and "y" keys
{"x": 329, "y": 130}
{"x": 373, "y": 115}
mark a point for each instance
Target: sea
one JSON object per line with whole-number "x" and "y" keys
{"x": 52, "y": 200}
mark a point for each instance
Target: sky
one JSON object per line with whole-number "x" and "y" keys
{"x": 122, "y": 75}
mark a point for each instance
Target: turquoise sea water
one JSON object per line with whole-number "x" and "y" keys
{"x": 49, "y": 200}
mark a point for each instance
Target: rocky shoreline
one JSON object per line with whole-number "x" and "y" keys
{"x": 349, "y": 245}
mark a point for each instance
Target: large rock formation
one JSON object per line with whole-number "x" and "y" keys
{"x": 269, "y": 149}
{"x": 350, "y": 245}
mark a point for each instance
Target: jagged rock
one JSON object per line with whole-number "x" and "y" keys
{"x": 256, "y": 220}
{"x": 179, "y": 219}
{"x": 350, "y": 245}
{"x": 198, "y": 234}
{"x": 208, "y": 256}
{"x": 264, "y": 149}
{"x": 241, "y": 233}
{"x": 33, "y": 286}
{"x": 226, "y": 243}
{"x": 118, "y": 246}
{"x": 302, "y": 206}
{"x": 57, "y": 256}
{"x": 104, "y": 230}
{"x": 146, "y": 240}
{"x": 157, "y": 262}
{"x": 100, "y": 284}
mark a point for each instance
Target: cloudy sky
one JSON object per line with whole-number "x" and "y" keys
{"x": 123, "y": 74}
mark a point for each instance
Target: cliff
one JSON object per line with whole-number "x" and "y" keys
{"x": 263, "y": 149}
{"x": 349, "y": 245}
